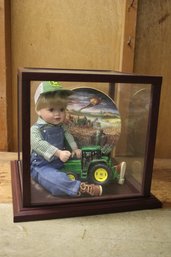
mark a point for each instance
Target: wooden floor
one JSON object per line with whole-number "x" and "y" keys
{"x": 161, "y": 183}
{"x": 5, "y": 176}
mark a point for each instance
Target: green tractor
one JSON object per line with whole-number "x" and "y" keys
{"x": 95, "y": 167}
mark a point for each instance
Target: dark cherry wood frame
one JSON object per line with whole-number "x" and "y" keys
{"x": 22, "y": 206}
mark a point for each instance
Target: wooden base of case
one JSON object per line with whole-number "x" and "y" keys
{"x": 73, "y": 209}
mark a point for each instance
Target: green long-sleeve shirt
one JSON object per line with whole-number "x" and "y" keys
{"x": 42, "y": 147}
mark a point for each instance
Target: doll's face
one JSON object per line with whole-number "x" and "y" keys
{"x": 52, "y": 115}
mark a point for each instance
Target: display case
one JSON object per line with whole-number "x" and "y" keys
{"x": 112, "y": 117}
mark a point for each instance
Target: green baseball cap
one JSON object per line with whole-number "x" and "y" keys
{"x": 51, "y": 86}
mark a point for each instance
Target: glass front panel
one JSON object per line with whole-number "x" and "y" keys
{"x": 110, "y": 132}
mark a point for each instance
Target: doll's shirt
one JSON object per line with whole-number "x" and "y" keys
{"x": 43, "y": 147}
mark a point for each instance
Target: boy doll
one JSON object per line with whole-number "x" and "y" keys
{"x": 47, "y": 144}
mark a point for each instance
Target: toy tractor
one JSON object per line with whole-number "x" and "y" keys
{"x": 95, "y": 167}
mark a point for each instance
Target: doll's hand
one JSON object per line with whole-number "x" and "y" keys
{"x": 63, "y": 155}
{"x": 77, "y": 152}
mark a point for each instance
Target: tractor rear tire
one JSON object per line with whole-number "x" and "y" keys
{"x": 100, "y": 174}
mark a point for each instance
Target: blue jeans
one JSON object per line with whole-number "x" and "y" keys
{"x": 55, "y": 181}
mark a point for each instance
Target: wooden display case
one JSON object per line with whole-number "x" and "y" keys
{"x": 125, "y": 110}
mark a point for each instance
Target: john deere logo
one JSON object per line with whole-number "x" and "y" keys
{"x": 55, "y": 84}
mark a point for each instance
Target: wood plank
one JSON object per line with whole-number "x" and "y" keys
{"x": 152, "y": 56}
{"x": 129, "y": 32}
{"x": 3, "y": 94}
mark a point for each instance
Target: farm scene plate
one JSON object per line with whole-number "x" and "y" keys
{"x": 93, "y": 119}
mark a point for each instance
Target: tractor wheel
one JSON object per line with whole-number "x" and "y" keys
{"x": 72, "y": 175}
{"x": 100, "y": 174}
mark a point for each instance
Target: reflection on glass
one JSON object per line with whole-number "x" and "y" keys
{"x": 20, "y": 143}
{"x": 134, "y": 105}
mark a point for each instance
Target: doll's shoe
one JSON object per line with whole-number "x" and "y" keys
{"x": 91, "y": 189}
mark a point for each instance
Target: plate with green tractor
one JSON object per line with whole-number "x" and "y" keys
{"x": 94, "y": 121}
